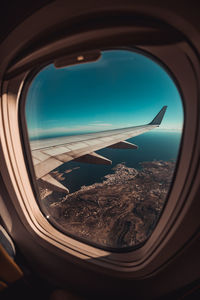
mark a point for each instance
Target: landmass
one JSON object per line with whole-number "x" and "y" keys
{"x": 122, "y": 211}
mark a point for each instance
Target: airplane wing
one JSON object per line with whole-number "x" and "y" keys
{"x": 49, "y": 154}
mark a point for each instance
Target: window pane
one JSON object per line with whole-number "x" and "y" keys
{"x": 100, "y": 178}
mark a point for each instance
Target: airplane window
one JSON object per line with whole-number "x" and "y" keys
{"x": 104, "y": 138}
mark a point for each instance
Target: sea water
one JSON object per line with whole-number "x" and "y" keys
{"x": 155, "y": 145}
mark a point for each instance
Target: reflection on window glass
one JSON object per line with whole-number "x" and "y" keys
{"x": 104, "y": 138}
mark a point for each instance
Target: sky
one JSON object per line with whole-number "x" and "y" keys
{"x": 121, "y": 89}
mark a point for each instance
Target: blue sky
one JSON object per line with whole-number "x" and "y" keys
{"x": 121, "y": 89}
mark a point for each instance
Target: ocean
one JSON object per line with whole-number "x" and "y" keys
{"x": 155, "y": 145}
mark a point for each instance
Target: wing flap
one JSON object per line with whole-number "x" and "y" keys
{"x": 55, "y": 184}
{"x": 65, "y": 157}
{"x": 53, "y": 151}
{"x": 94, "y": 158}
{"x": 39, "y": 155}
{"x": 46, "y": 166}
{"x": 123, "y": 145}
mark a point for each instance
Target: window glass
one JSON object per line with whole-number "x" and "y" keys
{"x": 104, "y": 138}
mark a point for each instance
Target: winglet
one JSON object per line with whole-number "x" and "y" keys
{"x": 158, "y": 118}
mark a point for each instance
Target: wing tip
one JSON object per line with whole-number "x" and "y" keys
{"x": 159, "y": 117}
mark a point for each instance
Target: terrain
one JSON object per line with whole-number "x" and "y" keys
{"x": 119, "y": 212}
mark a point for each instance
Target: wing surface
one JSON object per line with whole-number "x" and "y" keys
{"x": 49, "y": 154}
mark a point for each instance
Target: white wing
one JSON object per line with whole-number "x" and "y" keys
{"x": 49, "y": 154}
